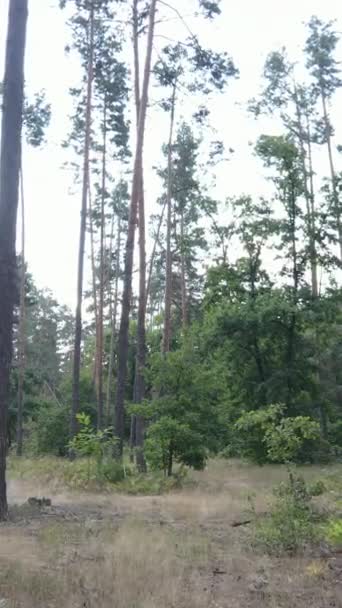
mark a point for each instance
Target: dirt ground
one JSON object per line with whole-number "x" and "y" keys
{"x": 179, "y": 550}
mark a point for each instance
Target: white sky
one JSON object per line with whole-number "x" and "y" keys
{"x": 247, "y": 29}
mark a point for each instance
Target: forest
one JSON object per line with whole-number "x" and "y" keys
{"x": 202, "y": 362}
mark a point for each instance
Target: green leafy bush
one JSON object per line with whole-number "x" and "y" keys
{"x": 98, "y": 446}
{"x": 317, "y": 488}
{"x": 48, "y": 433}
{"x": 168, "y": 440}
{"x": 270, "y": 437}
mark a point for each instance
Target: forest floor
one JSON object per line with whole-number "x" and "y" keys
{"x": 177, "y": 550}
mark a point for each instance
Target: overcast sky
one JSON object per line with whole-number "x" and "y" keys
{"x": 247, "y": 29}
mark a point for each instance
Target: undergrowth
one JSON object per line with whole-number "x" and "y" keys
{"x": 294, "y": 520}
{"x": 86, "y": 474}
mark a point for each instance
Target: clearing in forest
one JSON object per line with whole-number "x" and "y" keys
{"x": 178, "y": 550}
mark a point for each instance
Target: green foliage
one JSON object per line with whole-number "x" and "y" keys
{"x": 333, "y": 532}
{"x": 169, "y": 439}
{"x": 269, "y": 437}
{"x": 183, "y": 419}
{"x": 48, "y": 433}
{"x": 286, "y": 440}
{"x": 292, "y": 522}
{"x": 252, "y": 427}
{"x": 317, "y": 488}
{"x": 97, "y": 445}
{"x": 36, "y": 119}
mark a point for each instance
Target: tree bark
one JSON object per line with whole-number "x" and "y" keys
{"x": 108, "y": 283}
{"x": 183, "y": 277}
{"x": 22, "y": 326}
{"x": 137, "y": 440}
{"x": 10, "y": 162}
{"x": 101, "y": 294}
{"x": 293, "y": 317}
{"x": 119, "y": 416}
{"x": 308, "y": 194}
{"x": 166, "y": 343}
{"x": 93, "y": 273}
{"x": 114, "y": 315}
{"x": 80, "y": 270}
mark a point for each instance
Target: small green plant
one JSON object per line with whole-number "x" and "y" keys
{"x": 97, "y": 445}
{"x": 292, "y": 521}
{"x": 317, "y": 488}
{"x": 333, "y": 532}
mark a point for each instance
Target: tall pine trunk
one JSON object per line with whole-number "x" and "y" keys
{"x": 10, "y": 162}
{"x": 22, "y": 326}
{"x": 93, "y": 275}
{"x": 183, "y": 277}
{"x": 332, "y": 171}
{"x": 166, "y": 343}
{"x": 153, "y": 254}
{"x": 109, "y": 285}
{"x": 119, "y": 417}
{"x": 113, "y": 319}
{"x": 101, "y": 298}
{"x": 308, "y": 194}
{"x": 315, "y": 292}
{"x": 290, "y": 350}
{"x": 139, "y": 392}
{"x": 80, "y": 270}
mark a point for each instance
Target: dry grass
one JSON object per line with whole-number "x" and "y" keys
{"x": 172, "y": 551}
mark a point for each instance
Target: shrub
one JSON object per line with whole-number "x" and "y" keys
{"x": 113, "y": 471}
{"x": 269, "y": 437}
{"x": 292, "y": 521}
{"x": 317, "y": 488}
{"x": 99, "y": 446}
{"x": 169, "y": 440}
{"x": 49, "y": 432}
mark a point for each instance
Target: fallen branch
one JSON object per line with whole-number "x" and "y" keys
{"x": 236, "y": 524}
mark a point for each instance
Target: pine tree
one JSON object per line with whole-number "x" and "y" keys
{"x": 10, "y": 161}
{"x": 320, "y": 47}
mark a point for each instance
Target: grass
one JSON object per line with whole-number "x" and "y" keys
{"x": 83, "y": 474}
{"x": 176, "y": 550}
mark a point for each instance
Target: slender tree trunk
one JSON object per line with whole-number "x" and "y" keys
{"x": 114, "y": 315}
{"x": 137, "y": 439}
{"x": 22, "y": 326}
{"x": 93, "y": 273}
{"x": 315, "y": 288}
{"x": 168, "y": 280}
{"x": 307, "y": 194}
{"x": 109, "y": 285}
{"x": 153, "y": 254}
{"x": 170, "y": 461}
{"x": 293, "y": 318}
{"x": 101, "y": 298}
{"x": 183, "y": 277}
{"x": 312, "y": 187}
{"x": 10, "y": 162}
{"x": 332, "y": 171}
{"x": 119, "y": 417}
{"x": 253, "y": 265}
{"x": 320, "y": 406}
{"x": 80, "y": 270}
